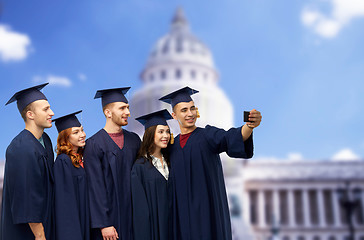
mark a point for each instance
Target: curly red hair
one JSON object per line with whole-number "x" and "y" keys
{"x": 64, "y": 146}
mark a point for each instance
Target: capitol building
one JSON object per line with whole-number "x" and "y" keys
{"x": 302, "y": 200}
{"x": 288, "y": 200}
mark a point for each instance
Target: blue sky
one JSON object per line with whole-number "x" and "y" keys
{"x": 299, "y": 62}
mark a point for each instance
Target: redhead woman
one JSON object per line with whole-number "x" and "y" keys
{"x": 71, "y": 202}
{"x": 149, "y": 179}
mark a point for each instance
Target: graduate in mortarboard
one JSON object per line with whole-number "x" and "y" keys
{"x": 149, "y": 179}
{"x": 109, "y": 155}
{"x": 199, "y": 202}
{"x": 27, "y": 202}
{"x": 71, "y": 206}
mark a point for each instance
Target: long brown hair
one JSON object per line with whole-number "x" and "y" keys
{"x": 147, "y": 147}
{"x": 64, "y": 146}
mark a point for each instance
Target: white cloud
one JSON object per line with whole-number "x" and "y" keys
{"x": 329, "y": 25}
{"x": 14, "y": 46}
{"x": 295, "y": 156}
{"x": 345, "y": 154}
{"x": 54, "y": 80}
{"x": 82, "y": 77}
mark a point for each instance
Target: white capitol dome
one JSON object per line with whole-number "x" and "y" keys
{"x": 182, "y": 47}
{"x": 179, "y": 59}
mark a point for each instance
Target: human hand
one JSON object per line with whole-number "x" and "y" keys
{"x": 255, "y": 117}
{"x": 109, "y": 233}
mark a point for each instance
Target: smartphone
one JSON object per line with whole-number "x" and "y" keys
{"x": 246, "y": 116}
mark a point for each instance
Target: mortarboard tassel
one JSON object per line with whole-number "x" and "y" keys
{"x": 172, "y": 139}
{"x": 198, "y": 113}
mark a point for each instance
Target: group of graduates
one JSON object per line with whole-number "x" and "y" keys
{"x": 115, "y": 186}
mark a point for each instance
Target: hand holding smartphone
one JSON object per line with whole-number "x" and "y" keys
{"x": 246, "y": 116}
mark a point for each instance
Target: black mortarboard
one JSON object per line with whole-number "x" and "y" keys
{"x": 27, "y": 96}
{"x": 155, "y": 118}
{"x": 67, "y": 121}
{"x": 181, "y": 95}
{"x": 112, "y": 95}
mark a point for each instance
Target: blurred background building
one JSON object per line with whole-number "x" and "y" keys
{"x": 296, "y": 200}
{"x": 304, "y": 200}
{"x": 288, "y": 200}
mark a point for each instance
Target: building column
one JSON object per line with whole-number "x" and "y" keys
{"x": 355, "y": 212}
{"x": 321, "y": 208}
{"x": 291, "y": 209}
{"x": 306, "y": 208}
{"x": 362, "y": 202}
{"x": 336, "y": 208}
{"x": 261, "y": 209}
{"x": 246, "y": 206}
{"x": 276, "y": 212}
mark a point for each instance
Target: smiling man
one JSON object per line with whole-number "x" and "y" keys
{"x": 28, "y": 177}
{"x": 109, "y": 157}
{"x": 199, "y": 202}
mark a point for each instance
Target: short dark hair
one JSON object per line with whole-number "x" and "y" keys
{"x": 109, "y": 105}
{"x": 23, "y": 113}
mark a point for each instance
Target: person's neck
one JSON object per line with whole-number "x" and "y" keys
{"x": 158, "y": 153}
{"x": 187, "y": 130}
{"x": 111, "y": 127}
{"x": 35, "y": 130}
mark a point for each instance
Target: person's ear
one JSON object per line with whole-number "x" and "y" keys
{"x": 30, "y": 115}
{"x": 174, "y": 116}
{"x": 107, "y": 113}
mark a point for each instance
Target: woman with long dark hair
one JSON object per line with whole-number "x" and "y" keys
{"x": 149, "y": 179}
{"x": 71, "y": 202}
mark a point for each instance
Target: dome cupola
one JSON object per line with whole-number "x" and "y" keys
{"x": 179, "y": 55}
{"x": 179, "y": 59}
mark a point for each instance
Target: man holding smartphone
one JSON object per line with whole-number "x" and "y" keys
{"x": 199, "y": 202}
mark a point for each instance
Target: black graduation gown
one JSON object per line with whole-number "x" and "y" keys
{"x": 150, "y": 202}
{"x": 108, "y": 174}
{"x": 71, "y": 200}
{"x": 200, "y": 206}
{"x": 28, "y": 187}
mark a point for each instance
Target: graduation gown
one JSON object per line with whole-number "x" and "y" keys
{"x": 108, "y": 174}
{"x": 150, "y": 202}
{"x": 71, "y": 200}
{"x": 28, "y": 187}
{"x": 200, "y": 206}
